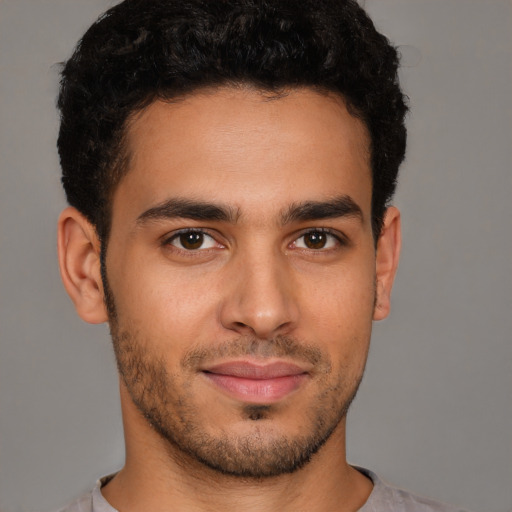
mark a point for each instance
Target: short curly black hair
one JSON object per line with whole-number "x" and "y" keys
{"x": 143, "y": 50}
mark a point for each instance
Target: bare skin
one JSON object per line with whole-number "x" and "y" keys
{"x": 287, "y": 276}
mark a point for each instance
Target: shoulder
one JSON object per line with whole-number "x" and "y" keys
{"x": 385, "y": 497}
{"x": 92, "y": 501}
{"x": 82, "y": 504}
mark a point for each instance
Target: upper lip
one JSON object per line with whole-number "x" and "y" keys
{"x": 251, "y": 370}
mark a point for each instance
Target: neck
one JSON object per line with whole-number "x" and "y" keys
{"x": 159, "y": 477}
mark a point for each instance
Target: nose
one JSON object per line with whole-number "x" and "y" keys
{"x": 260, "y": 299}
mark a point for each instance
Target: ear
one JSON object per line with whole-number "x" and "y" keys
{"x": 388, "y": 253}
{"x": 79, "y": 261}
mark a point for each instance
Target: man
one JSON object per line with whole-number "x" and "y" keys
{"x": 229, "y": 166}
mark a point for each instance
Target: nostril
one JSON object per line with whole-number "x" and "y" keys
{"x": 240, "y": 325}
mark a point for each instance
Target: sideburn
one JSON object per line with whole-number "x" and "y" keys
{"x": 108, "y": 296}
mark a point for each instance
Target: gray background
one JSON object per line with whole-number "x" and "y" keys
{"x": 434, "y": 413}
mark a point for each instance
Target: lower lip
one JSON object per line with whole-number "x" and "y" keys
{"x": 259, "y": 391}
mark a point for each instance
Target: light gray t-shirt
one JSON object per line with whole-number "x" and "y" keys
{"x": 383, "y": 498}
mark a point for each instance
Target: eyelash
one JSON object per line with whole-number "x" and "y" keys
{"x": 340, "y": 241}
{"x": 339, "y": 238}
{"x": 168, "y": 241}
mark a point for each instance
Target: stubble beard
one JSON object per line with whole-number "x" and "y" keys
{"x": 168, "y": 404}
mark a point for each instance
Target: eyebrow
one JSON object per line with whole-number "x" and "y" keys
{"x": 342, "y": 206}
{"x": 189, "y": 209}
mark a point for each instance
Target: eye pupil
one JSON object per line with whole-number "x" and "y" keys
{"x": 315, "y": 240}
{"x": 191, "y": 240}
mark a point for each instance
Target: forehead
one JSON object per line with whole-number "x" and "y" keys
{"x": 244, "y": 148}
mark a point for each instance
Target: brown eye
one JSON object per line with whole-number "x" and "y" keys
{"x": 315, "y": 240}
{"x": 192, "y": 241}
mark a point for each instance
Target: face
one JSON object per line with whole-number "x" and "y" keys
{"x": 241, "y": 274}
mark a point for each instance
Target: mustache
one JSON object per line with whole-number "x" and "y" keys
{"x": 279, "y": 347}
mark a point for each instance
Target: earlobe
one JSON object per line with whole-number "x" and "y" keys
{"x": 388, "y": 253}
{"x": 80, "y": 267}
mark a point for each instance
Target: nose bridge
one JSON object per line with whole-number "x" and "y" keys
{"x": 261, "y": 298}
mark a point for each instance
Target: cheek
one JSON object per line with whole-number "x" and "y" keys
{"x": 343, "y": 295}
{"x": 338, "y": 312}
{"x": 161, "y": 303}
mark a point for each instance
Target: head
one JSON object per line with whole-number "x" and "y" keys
{"x": 229, "y": 165}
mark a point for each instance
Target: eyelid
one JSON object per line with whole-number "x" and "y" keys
{"x": 340, "y": 238}
{"x": 167, "y": 239}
